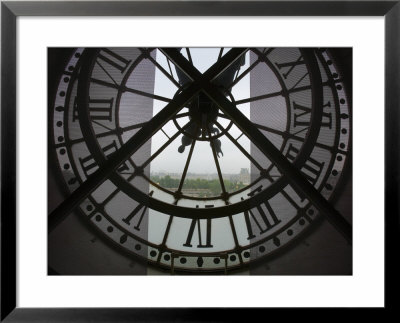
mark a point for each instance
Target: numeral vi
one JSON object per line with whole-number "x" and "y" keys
{"x": 207, "y": 236}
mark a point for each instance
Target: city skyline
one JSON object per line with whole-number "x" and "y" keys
{"x": 243, "y": 175}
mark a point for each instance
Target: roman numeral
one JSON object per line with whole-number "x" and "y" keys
{"x": 289, "y": 66}
{"x": 311, "y": 170}
{"x": 196, "y": 222}
{"x": 303, "y": 116}
{"x": 113, "y": 59}
{"x": 89, "y": 165}
{"x": 99, "y": 109}
{"x": 137, "y": 209}
{"x": 261, "y": 219}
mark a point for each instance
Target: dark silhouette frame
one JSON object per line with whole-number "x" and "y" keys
{"x": 11, "y": 10}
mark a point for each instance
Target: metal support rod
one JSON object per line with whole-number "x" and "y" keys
{"x": 267, "y": 148}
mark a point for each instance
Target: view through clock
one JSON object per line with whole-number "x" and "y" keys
{"x": 199, "y": 161}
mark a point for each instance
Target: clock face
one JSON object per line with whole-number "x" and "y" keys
{"x": 194, "y": 192}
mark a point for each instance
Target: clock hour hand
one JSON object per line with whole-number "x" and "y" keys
{"x": 186, "y": 140}
{"x": 217, "y": 146}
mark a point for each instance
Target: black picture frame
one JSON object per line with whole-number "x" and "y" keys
{"x": 10, "y": 10}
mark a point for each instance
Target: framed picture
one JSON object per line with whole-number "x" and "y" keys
{"x": 244, "y": 157}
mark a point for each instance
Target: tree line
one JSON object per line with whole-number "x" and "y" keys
{"x": 212, "y": 185}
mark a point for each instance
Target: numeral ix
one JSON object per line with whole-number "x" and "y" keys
{"x": 99, "y": 109}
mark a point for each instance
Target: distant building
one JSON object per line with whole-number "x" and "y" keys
{"x": 244, "y": 176}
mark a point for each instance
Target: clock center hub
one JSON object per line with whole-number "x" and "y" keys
{"x": 203, "y": 112}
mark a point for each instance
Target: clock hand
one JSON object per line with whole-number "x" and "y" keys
{"x": 187, "y": 141}
{"x": 217, "y": 147}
